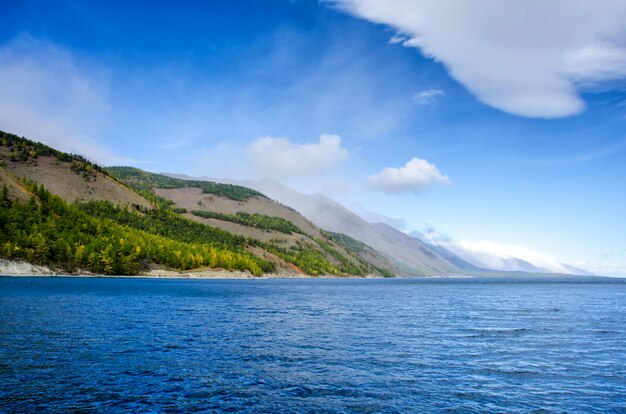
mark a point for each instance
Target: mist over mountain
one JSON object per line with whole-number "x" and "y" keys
{"x": 413, "y": 253}
{"x": 507, "y": 262}
{"x": 412, "y": 256}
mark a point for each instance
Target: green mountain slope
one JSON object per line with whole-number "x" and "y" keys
{"x": 63, "y": 211}
{"x": 102, "y": 238}
{"x": 274, "y": 228}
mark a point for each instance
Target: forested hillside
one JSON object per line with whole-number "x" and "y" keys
{"x": 144, "y": 182}
{"x": 275, "y": 228}
{"x": 63, "y": 211}
{"x": 101, "y": 238}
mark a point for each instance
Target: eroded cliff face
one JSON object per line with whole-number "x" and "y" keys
{"x": 20, "y": 268}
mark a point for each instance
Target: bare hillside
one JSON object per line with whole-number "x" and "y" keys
{"x": 14, "y": 187}
{"x": 413, "y": 257}
{"x": 70, "y": 182}
{"x": 192, "y": 198}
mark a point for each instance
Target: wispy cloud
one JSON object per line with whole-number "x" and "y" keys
{"x": 430, "y": 234}
{"x": 428, "y": 96}
{"x": 500, "y": 256}
{"x": 581, "y": 158}
{"x": 295, "y": 88}
{"x": 613, "y": 268}
{"x": 47, "y": 95}
{"x": 498, "y": 49}
{"x": 417, "y": 176}
{"x": 613, "y": 253}
{"x": 397, "y": 38}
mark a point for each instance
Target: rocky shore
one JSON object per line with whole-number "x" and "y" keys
{"x": 21, "y": 268}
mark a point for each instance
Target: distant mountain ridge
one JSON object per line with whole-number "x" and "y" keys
{"x": 459, "y": 262}
{"x": 510, "y": 263}
{"x": 413, "y": 257}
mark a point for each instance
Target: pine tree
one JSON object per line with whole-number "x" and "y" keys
{"x": 5, "y": 202}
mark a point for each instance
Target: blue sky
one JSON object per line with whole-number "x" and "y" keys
{"x": 519, "y": 134}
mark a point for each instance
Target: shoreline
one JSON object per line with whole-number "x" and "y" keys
{"x": 14, "y": 268}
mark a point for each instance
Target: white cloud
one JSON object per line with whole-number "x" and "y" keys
{"x": 615, "y": 269}
{"x": 430, "y": 234}
{"x": 505, "y": 257}
{"x": 279, "y": 158}
{"x": 582, "y": 158}
{"x": 416, "y": 176}
{"x": 528, "y": 58}
{"x": 47, "y": 96}
{"x": 505, "y": 251}
{"x": 397, "y": 38}
{"x": 428, "y": 96}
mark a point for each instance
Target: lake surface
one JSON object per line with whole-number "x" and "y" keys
{"x": 402, "y": 345}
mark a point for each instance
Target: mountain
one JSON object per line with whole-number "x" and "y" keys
{"x": 248, "y": 213}
{"x": 411, "y": 256}
{"x": 66, "y": 212}
{"x": 576, "y": 270}
{"x": 508, "y": 262}
{"x": 61, "y": 210}
{"x": 460, "y": 263}
{"x": 71, "y": 177}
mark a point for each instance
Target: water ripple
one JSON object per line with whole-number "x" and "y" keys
{"x": 311, "y": 346}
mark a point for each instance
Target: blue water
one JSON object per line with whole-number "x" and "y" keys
{"x": 78, "y": 344}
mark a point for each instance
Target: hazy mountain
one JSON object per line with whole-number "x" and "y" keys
{"x": 509, "y": 263}
{"x": 577, "y": 271}
{"x": 459, "y": 262}
{"x": 410, "y": 255}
